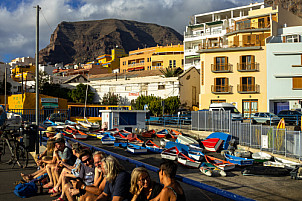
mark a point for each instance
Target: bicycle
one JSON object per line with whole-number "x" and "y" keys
{"x": 11, "y": 143}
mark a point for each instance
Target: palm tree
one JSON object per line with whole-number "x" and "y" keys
{"x": 171, "y": 72}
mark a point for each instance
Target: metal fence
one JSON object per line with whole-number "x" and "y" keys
{"x": 29, "y": 115}
{"x": 263, "y": 137}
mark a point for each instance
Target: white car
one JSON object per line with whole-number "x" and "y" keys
{"x": 265, "y": 118}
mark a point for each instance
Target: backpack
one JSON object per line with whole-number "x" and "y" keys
{"x": 25, "y": 190}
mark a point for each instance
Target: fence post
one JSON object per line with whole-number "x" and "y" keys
{"x": 285, "y": 144}
{"x": 250, "y": 134}
{"x": 274, "y": 135}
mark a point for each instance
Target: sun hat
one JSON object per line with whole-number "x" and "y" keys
{"x": 59, "y": 135}
{"x": 51, "y": 130}
{"x": 59, "y": 140}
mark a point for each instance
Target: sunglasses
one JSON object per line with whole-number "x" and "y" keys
{"x": 85, "y": 161}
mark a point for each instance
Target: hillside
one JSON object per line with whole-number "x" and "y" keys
{"x": 295, "y": 6}
{"x": 84, "y": 41}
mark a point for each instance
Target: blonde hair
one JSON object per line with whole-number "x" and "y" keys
{"x": 135, "y": 175}
{"x": 112, "y": 167}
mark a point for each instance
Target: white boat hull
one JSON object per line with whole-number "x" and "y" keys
{"x": 136, "y": 151}
{"x": 188, "y": 163}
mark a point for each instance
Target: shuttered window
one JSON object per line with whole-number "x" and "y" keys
{"x": 297, "y": 82}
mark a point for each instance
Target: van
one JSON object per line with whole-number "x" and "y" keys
{"x": 235, "y": 114}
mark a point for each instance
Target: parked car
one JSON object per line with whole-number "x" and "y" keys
{"x": 265, "y": 118}
{"x": 291, "y": 116}
{"x": 61, "y": 117}
{"x": 235, "y": 114}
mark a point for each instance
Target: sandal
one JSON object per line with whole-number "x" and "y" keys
{"x": 55, "y": 194}
{"x": 51, "y": 191}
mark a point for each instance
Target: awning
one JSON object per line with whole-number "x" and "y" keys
{"x": 50, "y": 105}
{"x": 139, "y": 68}
{"x": 190, "y": 57}
{"x": 130, "y": 69}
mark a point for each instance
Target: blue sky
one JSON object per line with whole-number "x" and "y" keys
{"x": 18, "y": 17}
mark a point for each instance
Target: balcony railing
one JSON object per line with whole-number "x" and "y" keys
{"x": 248, "y": 26}
{"x": 248, "y": 89}
{"x": 136, "y": 64}
{"x": 221, "y": 89}
{"x": 222, "y": 68}
{"x": 247, "y": 67}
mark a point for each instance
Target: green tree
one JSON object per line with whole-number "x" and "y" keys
{"x": 171, "y": 72}
{"x": 78, "y": 94}
{"x": 155, "y": 107}
{"x": 172, "y": 104}
{"x": 142, "y": 100}
{"x": 110, "y": 99}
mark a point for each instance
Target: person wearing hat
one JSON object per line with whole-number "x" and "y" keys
{"x": 47, "y": 157}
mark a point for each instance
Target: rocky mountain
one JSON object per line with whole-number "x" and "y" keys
{"x": 295, "y": 6}
{"x": 86, "y": 40}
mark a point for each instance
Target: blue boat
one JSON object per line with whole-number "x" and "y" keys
{"x": 238, "y": 160}
{"x": 163, "y": 133}
{"x": 223, "y": 136}
{"x": 108, "y": 139}
{"x": 181, "y": 147}
{"x": 151, "y": 146}
{"x": 136, "y": 149}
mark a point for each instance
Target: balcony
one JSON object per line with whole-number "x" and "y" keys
{"x": 136, "y": 64}
{"x": 247, "y": 26}
{"x": 221, "y": 68}
{"x": 157, "y": 67}
{"x": 248, "y": 89}
{"x": 221, "y": 89}
{"x": 247, "y": 67}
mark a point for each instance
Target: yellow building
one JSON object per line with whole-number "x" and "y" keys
{"x": 27, "y": 72}
{"x": 153, "y": 58}
{"x": 234, "y": 70}
{"x": 111, "y": 61}
{"x": 28, "y": 101}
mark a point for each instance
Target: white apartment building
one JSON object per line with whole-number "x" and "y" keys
{"x": 130, "y": 85}
{"x": 207, "y": 30}
{"x": 22, "y": 61}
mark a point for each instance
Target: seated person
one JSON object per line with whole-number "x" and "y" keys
{"x": 92, "y": 191}
{"x": 67, "y": 172}
{"x": 172, "y": 189}
{"x": 86, "y": 174}
{"x": 117, "y": 180}
{"x": 142, "y": 188}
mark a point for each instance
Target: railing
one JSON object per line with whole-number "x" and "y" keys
{"x": 247, "y": 26}
{"x": 157, "y": 67}
{"x": 221, "y": 68}
{"x": 136, "y": 64}
{"x": 279, "y": 141}
{"x": 219, "y": 89}
{"x": 247, "y": 67}
{"x": 247, "y": 88}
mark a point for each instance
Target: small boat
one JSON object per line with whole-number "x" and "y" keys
{"x": 211, "y": 170}
{"x": 185, "y": 160}
{"x": 151, "y": 146}
{"x": 226, "y": 138}
{"x": 71, "y": 123}
{"x": 124, "y": 132}
{"x": 238, "y": 160}
{"x": 196, "y": 155}
{"x": 136, "y": 149}
{"x": 162, "y": 134}
{"x": 283, "y": 163}
{"x": 120, "y": 142}
{"x": 89, "y": 125}
{"x": 221, "y": 164}
{"x": 81, "y": 128}
{"x": 242, "y": 153}
{"x": 181, "y": 147}
{"x": 186, "y": 140}
{"x": 212, "y": 144}
{"x": 118, "y": 135}
{"x": 149, "y": 134}
{"x": 136, "y": 141}
{"x": 108, "y": 139}
{"x": 170, "y": 154}
{"x": 174, "y": 133}
{"x": 265, "y": 170}
{"x": 76, "y": 134}
{"x": 131, "y": 137}
{"x": 261, "y": 157}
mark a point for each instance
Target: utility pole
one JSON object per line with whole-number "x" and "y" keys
{"x": 37, "y": 80}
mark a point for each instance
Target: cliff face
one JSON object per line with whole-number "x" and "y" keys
{"x": 295, "y": 6}
{"x": 86, "y": 40}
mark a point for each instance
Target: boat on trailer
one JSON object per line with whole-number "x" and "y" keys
{"x": 186, "y": 161}
{"x": 170, "y": 154}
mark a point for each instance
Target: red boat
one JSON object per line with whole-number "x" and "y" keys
{"x": 221, "y": 164}
{"x": 119, "y": 135}
{"x": 148, "y": 134}
{"x": 212, "y": 144}
{"x": 74, "y": 133}
{"x": 162, "y": 134}
{"x": 174, "y": 133}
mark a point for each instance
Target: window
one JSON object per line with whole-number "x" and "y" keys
{"x": 221, "y": 84}
{"x": 249, "y": 107}
{"x": 174, "y": 63}
{"x": 247, "y": 62}
{"x": 160, "y": 87}
{"x": 111, "y": 89}
{"x": 194, "y": 95}
{"x": 247, "y": 84}
{"x": 297, "y": 82}
{"x": 220, "y": 63}
{"x": 170, "y": 63}
{"x": 128, "y": 88}
{"x": 292, "y": 39}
